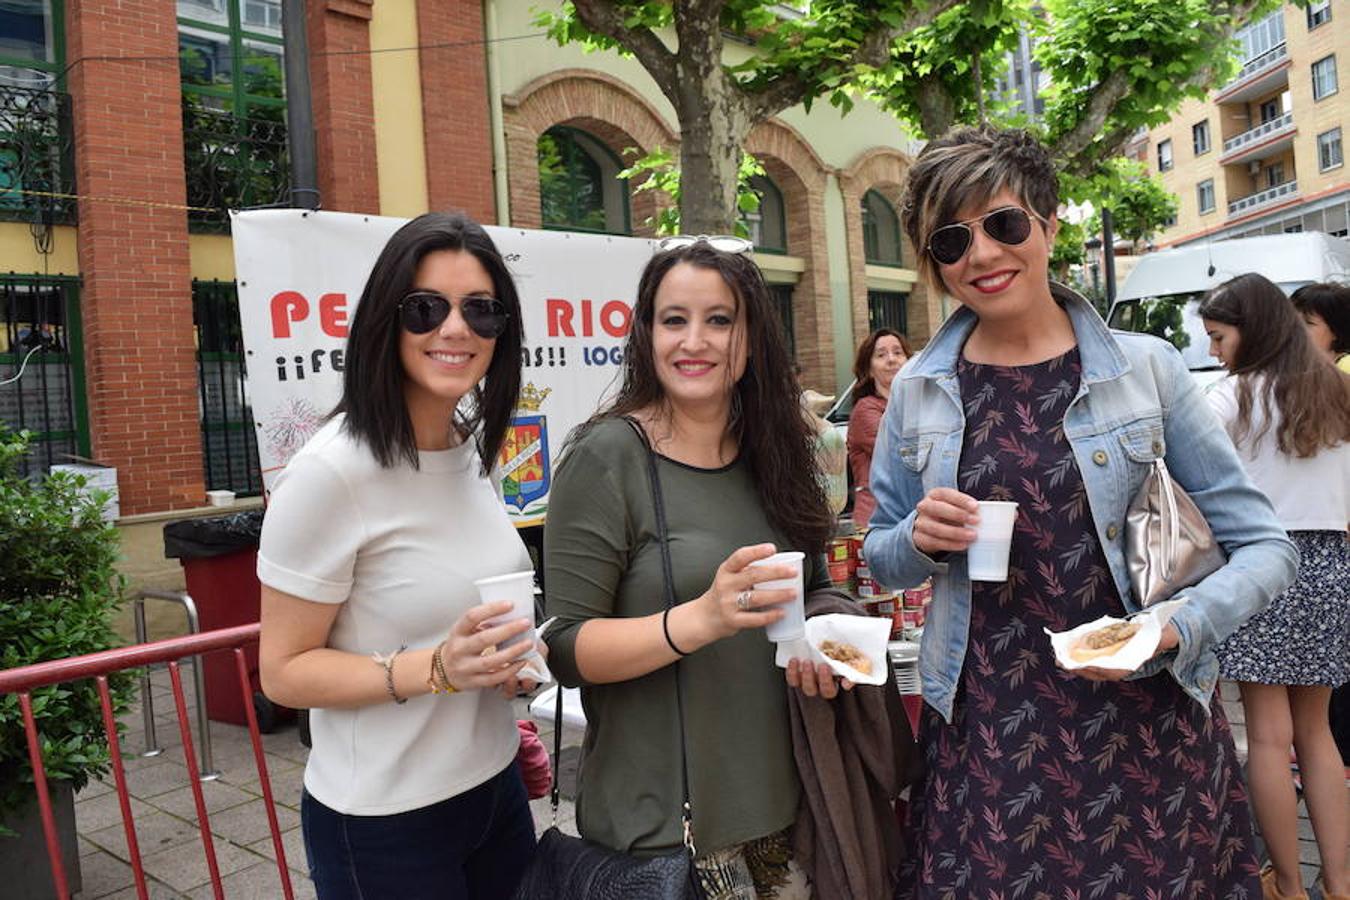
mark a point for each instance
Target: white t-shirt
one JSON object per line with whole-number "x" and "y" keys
{"x": 1311, "y": 494}
{"x": 399, "y": 549}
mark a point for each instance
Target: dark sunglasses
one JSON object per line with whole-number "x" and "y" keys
{"x": 1009, "y": 225}
{"x": 424, "y": 311}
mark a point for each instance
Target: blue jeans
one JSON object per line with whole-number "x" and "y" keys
{"x": 471, "y": 847}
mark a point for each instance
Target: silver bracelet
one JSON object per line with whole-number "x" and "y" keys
{"x": 388, "y": 663}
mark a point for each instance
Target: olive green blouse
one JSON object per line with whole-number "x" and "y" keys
{"x": 603, "y": 560}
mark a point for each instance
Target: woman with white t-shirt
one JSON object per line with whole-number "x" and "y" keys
{"x": 1287, "y": 409}
{"x": 373, "y": 538}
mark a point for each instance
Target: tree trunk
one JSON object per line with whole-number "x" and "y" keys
{"x": 937, "y": 109}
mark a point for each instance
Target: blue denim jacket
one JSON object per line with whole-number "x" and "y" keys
{"x": 1136, "y": 401}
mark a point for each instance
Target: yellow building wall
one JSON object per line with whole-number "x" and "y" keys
{"x": 18, "y": 254}
{"x": 212, "y": 257}
{"x": 1317, "y": 116}
{"x": 396, "y": 85}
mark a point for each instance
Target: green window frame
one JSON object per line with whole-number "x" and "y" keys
{"x": 888, "y": 309}
{"x": 881, "y": 231}
{"x": 579, "y": 187}
{"x": 767, "y": 226}
{"x": 247, "y": 90}
{"x": 55, "y": 66}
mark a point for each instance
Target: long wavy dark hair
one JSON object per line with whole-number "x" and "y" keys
{"x": 372, "y": 382}
{"x": 864, "y": 385}
{"x": 1311, "y": 396}
{"x": 778, "y": 446}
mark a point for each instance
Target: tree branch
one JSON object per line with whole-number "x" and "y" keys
{"x": 605, "y": 18}
{"x": 874, "y": 50}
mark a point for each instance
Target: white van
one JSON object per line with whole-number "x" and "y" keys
{"x": 1163, "y": 292}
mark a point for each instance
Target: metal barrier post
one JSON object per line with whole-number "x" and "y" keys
{"x": 183, "y": 599}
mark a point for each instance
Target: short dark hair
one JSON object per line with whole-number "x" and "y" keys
{"x": 776, "y": 441}
{"x": 864, "y": 385}
{"x": 372, "y": 383}
{"x": 1330, "y": 302}
{"x": 971, "y": 165}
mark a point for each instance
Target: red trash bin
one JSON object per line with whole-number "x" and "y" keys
{"x": 220, "y": 563}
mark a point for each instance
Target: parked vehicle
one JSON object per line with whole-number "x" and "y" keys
{"x": 1163, "y": 292}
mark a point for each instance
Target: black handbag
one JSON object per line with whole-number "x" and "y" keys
{"x": 571, "y": 868}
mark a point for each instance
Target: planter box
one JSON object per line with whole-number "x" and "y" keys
{"x": 23, "y": 859}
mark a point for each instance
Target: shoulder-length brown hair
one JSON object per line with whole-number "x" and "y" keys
{"x": 776, "y": 442}
{"x": 1311, "y": 397}
{"x": 864, "y": 385}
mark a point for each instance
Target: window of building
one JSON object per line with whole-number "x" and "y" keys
{"x": 781, "y": 295}
{"x": 1261, "y": 37}
{"x": 1274, "y": 174}
{"x": 1319, "y": 13}
{"x": 881, "y": 230}
{"x": 1204, "y": 195}
{"x": 1324, "y": 77}
{"x": 32, "y": 43}
{"x": 886, "y": 309}
{"x": 229, "y": 443}
{"x": 1329, "y": 152}
{"x": 1164, "y": 155}
{"x": 579, "y": 184}
{"x": 1268, "y": 110}
{"x": 231, "y": 59}
{"x": 768, "y": 224}
{"x": 1200, "y": 137}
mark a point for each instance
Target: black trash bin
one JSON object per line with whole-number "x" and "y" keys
{"x": 220, "y": 560}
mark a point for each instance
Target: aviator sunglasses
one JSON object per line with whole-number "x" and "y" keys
{"x": 726, "y": 243}
{"x": 1009, "y": 225}
{"x": 424, "y": 311}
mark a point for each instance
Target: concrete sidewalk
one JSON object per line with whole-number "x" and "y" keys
{"x": 166, "y": 826}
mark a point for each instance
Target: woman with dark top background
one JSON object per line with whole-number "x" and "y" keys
{"x": 879, "y": 358}
{"x": 708, "y": 380}
{"x": 1040, "y": 780}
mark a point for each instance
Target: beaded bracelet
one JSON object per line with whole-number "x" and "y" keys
{"x": 438, "y": 681}
{"x": 388, "y": 663}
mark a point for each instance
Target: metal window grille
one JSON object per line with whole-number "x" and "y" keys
{"x": 36, "y": 156}
{"x": 782, "y": 301}
{"x": 887, "y": 309}
{"x": 48, "y": 399}
{"x": 229, "y": 443}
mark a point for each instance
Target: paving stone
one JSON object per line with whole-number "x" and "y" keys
{"x": 102, "y": 874}
{"x": 292, "y": 844}
{"x": 183, "y": 869}
{"x": 150, "y": 781}
{"x": 286, "y": 743}
{"x": 100, "y": 812}
{"x": 154, "y": 832}
{"x": 247, "y": 823}
{"x": 95, "y": 788}
{"x": 260, "y": 882}
{"x": 286, "y": 787}
{"x": 216, "y": 795}
{"x": 156, "y": 890}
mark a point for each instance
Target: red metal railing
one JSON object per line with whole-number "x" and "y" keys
{"x": 99, "y": 666}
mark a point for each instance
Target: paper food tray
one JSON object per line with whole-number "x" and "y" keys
{"x": 1133, "y": 654}
{"x": 868, "y": 633}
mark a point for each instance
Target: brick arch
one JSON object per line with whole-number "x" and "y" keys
{"x": 884, "y": 170}
{"x": 802, "y": 176}
{"x": 593, "y": 102}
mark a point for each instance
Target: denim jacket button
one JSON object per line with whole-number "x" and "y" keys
{"x": 1111, "y": 532}
{"x": 1099, "y": 457}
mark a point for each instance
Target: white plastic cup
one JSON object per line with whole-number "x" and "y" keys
{"x": 518, "y": 588}
{"x": 792, "y": 626}
{"x": 987, "y": 558}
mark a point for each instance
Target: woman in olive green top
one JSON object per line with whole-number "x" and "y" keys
{"x": 708, "y": 379}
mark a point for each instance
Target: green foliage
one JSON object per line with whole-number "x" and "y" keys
{"x": 1068, "y": 249}
{"x": 59, "y": 588}
{"x": 663, "y": 175}
{"x": 1140, "y": 205}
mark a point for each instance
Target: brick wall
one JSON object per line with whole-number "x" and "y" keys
{"x": 344, "y": 104}
{"x": 455, "y": 115}
{"x": 136, "y": 296}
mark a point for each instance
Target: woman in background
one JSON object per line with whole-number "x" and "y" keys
{"x": 1287, "y": 409}
{"x": 879, "y": 358}
{"x": 1325, "y": 309}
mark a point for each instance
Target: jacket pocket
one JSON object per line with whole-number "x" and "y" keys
{"x": 913, "y": 452}
{"x": 1143, "y": 440}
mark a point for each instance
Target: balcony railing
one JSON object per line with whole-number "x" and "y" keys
{"x": 1279, "y": 123}
{"x": 36, "y": 156}
{"x": 232, "y": 163}
{"x": 1257, "y": 64}
{"x": 1262, "y": 198}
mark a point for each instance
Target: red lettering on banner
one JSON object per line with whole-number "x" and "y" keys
{"x": 587, "y": 326}
{"x": 287, "y": 307}
{"x": 559, "y": 314}
{"x": 625, "y": 316}
{"x": 333, "y": 315}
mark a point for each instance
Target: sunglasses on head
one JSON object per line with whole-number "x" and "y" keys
{"x": 726, "y": 243}
{"x": 424, "y": 311}
{"x": 1009, "y": 225}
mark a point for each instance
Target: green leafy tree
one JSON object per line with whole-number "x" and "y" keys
{"x": 59, "y": 589}
{"x": 1114, "y": 67}
{"x": 1140, "y": 205}
{"x": 664, "y": 177}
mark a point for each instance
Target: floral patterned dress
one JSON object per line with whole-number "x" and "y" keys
{"x": 1047, "y": 785}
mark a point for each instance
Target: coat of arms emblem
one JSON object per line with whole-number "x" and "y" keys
{"x": 525, "y": 466}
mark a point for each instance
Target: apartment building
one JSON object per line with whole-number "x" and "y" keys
{"x": 1265, "y": 152}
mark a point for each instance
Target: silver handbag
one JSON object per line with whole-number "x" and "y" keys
{"x": 1168, "y": 543}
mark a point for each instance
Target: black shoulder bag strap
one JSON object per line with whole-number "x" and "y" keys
{"x": 686, "y": 810}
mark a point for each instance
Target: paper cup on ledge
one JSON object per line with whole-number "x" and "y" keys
{"x": 518, "y": 588}
{"x": 793, "y": 625}
{"x": 987, "y": 558}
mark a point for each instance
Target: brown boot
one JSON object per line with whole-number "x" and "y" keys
{"x": 1271, "y": 891}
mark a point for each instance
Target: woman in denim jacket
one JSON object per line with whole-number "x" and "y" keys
{"x": 1096, "y": 781}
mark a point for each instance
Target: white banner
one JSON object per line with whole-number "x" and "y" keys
{"x": 300, "y": 276}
